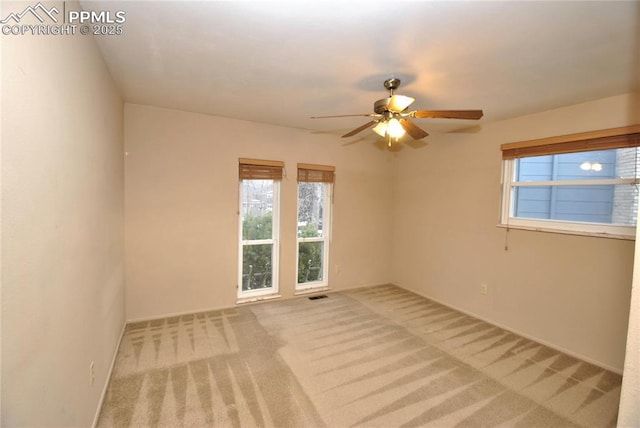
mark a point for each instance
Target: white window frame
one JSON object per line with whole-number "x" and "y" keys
{"x": 568, "y": 227}
{"x": 327, "y": 217}
{"x": 274, "y": 241}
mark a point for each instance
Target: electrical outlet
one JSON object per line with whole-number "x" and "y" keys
{"x": 92, "y": 375}
{"x": 484, "y": 289}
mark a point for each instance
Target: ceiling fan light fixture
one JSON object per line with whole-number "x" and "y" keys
{"x": 389, "y": 128}
{"x": 395, "y": 129}
{"x": 398, "y": 103}
{"x": 381, "y": 129}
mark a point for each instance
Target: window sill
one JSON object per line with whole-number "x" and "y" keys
{"x": 244, "y": 300}
{"x": 312, "y": 290}
{"x": 568, "y": 232}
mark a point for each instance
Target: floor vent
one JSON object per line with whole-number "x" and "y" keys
{"x": 322, "y": 296}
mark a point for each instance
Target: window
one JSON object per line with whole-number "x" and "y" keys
{"x": 582, "y": 183}
{"x": 315, "y": 184}
{"x": 259, "y": 227}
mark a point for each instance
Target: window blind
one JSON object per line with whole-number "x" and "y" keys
{"x": 614, "y": 138}
{"x": 309, "y": 173}
{"x": 257, "y": 169}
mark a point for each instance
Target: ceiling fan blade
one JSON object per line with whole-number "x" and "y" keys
{"x": 398, "y": 103}
{"x": 448, "y": 114}
{"x": 362, "y": 128}
{"x": 345, "y": 115}
{"x": 412, "y": 129}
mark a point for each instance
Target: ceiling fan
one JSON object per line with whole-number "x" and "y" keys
{"x": 391, "y": 116}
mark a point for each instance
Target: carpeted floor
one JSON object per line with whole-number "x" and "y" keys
{"x": 371, "y": 357}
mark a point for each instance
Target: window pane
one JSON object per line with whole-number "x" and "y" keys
{"x": 257, "y": 227}
{"x": 310, "y": 261}
{"x": 601, "y": 164}
{"x": 256, "y": 266}
{"x": 257, "y": 209}
{"x": 610, "y": 204}
{"x": 310, "y": 206}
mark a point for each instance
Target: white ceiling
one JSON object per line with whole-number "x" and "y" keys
{"x": 281, "y": 62}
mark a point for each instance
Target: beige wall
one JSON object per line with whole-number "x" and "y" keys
{"x": 629, "y": 414}
{"x": 62, "y": 229}
{"x": 181, "y": 207}
{"x": 571, "y": 292}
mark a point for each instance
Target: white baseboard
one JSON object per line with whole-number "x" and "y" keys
{"x": 108, "y": 378}
{"x": 519, "y": 333}
{"x": 177, "y": 314}
{"x": 328, "y": 289}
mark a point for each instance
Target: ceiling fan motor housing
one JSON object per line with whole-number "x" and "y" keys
{"x": 381, "y": 106}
